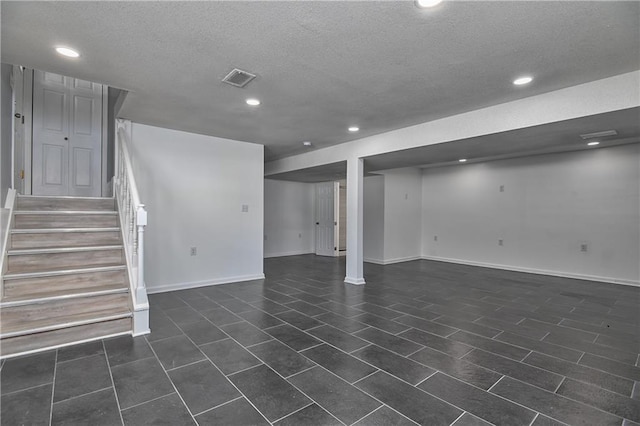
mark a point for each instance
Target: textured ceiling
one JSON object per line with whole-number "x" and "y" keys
{"x": 321, "y": 66}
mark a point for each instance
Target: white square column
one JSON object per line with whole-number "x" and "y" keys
{"x": 355, "y": 221}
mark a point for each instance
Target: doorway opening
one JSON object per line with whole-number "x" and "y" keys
{"x": 331, "y": 218}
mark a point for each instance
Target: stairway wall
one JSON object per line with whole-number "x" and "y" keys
{"x": 5, "y": 132}
{"x": 194, "y": 188}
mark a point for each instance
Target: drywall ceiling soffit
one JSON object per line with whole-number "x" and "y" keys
{"x": 321, "y": 66}
{"x": 324, "y": 173}
{"x": 562, "y": 136}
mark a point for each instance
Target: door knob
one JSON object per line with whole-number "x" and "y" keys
{"x": 66, "y": 138}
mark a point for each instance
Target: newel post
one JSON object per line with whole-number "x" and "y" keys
{"x": 141, "y": 221}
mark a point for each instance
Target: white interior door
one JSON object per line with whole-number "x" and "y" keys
{"x": 325, "y": 224}
{"x": 67, "y": 136}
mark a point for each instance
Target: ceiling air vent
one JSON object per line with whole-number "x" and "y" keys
{"x": 599, "y": 134}
{"x": 238, "y": 78}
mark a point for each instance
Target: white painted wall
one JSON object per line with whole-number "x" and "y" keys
{"x": 194, "y": 187}
{"x": 551, "y": 204}
{"x": 6, "y": 129}
{"x": 288, "y": 218}
{"x": 402, "y": 215}
{"x": 373, "y": 238}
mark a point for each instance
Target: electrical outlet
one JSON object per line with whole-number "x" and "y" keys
{"x": 194, "y": 251}
{"x": 245, "y": 208}
{"x": 435, "y": 238}
{"x": 265, "y": 238}
{"x": 500, "y": 242}
{"x": 501, "y": 188}
{"x": 300, "y": 235}
{"x": 584, "y": 247}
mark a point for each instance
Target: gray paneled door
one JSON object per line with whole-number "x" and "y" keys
{"x": 67, "y": 136}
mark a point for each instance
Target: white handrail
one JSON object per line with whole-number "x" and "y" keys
{"x": 133, "y": 220}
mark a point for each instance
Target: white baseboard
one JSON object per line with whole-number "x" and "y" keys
{"x": 195, "y": 284}
{"x": 287, "y": 253}
{"x": 536, "y": 271}
{"x": 392, "y": 261}
{"x": 355, "y": 281}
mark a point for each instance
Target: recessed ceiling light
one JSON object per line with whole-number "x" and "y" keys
{"x": 594, "y": 143}
{"x": 522, "y": 80}
{"x": 253, "y": 102}
{"x": 427, "y": 3}
{"x": 65, "y": 51}
{"x": 306, "y": 143}
{"x": 354, "y": 129}
{"x": 463, "y": 160}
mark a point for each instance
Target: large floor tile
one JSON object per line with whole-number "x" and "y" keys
{"x": 245, "y": 333}
{"x": 299, "y": 320}
{"x": 168, "y": 410}
{"x": 80, "y": 376}
{"x": 518, "y": 370}
{"x": 597, "y": 397}
{"x": 292, "y": 337}
{"x": 485, "y": 405}
{"x": 389, "y": 341}
{"x": 140, "y": 381}
{"x": 338, "y": 338}
{"x": 552, "y": 405}
{"x": 27, "y": 407}
{"x": 401, "y": 367}
{"x": 281, "y": 358}
{"x": 339, "y": 363}
{"x": 413, "y": 403}
{"x": 98, "y": 408}
{"x": 442, "y": 344}
{"x": 458, "y": 368}
{"x": 273, "y": 396}
{"x": 310, "y": 415}
{"x": 344, "y": 401}
{"x": 123, "y": 349}
{"x": 202, "y": 386}
{"x": 229, "y": 356}
{"x": 385, "y": 416}
{"x": 234, "y": 413}
{"x": 27, "y": 372}
{"x": 201, "y": 332}
{"x": 176, "y": 351}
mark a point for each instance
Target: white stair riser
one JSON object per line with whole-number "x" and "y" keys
{"x": 48, "y": 221}
{"x": 31, "y": 342}
{"x": 47, "y": 203}
{"x": 34, "y": 287}
{"x": 67, "y": 260}
{"x": 19, "y": 317}
{"x": 64, "y": 239}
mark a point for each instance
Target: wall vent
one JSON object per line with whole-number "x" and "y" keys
{"x": 599, "y": 134}
{"x": 238, "y": 78}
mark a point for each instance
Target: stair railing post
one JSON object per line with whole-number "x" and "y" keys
{"x": 141, "y": 221}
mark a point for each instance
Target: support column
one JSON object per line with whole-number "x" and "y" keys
{"x": 355, "y": 207}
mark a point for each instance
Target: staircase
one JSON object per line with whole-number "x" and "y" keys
{"x": 66, "y": 277}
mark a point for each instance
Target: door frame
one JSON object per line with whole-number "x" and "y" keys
{"x": 25, "y": 79}
{"x": 336, "y": 218}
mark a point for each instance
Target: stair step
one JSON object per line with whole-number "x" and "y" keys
{"x": 64, "y": 237}
{"x": 54, "y": 314}
{"x": 56, "y": 294}
{"x": 52, "y": 259}
{"x": 29, "y": 219}
{"x": 92, "y": 329}
{"x": 64, "y": 203}
{"x": 36, "y": 284}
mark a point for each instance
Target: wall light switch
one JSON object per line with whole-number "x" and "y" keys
{"x": 194, "y": 251}
{"x": 584, "y": 247}
{"x": 500, "y": 242}
{"x": 501, "y": 188}
{"x": 435, "y": 238}
{"x": 245, "y": 208}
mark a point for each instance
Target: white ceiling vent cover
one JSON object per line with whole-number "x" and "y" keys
{"x": 599, "y": 134}
{"x": 238, "y": 78}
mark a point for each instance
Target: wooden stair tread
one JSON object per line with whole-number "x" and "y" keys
{"x": 62, "y": 230}
{"x": 10, "y": 329}
{"x": 35, "y": 269}
{"x": 51, "y": 250}
{"x": 67, "y": 271}
{"x": 64, "y": 293}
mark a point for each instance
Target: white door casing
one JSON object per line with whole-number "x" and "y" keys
{"x": 18, "y": 129}
{"x": 67, "y": 136}
{"x": 325, "y": 225}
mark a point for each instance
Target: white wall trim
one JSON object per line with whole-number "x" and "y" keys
{"x": 195, "y": 284}
{"x": 535, "y": 271}
{"x": 392, "y": 261}
{"x": 287, "y": 253}
{"x": 354, "y": 281}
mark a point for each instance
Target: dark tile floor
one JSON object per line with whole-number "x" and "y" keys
{"x": 423, "y": 342}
